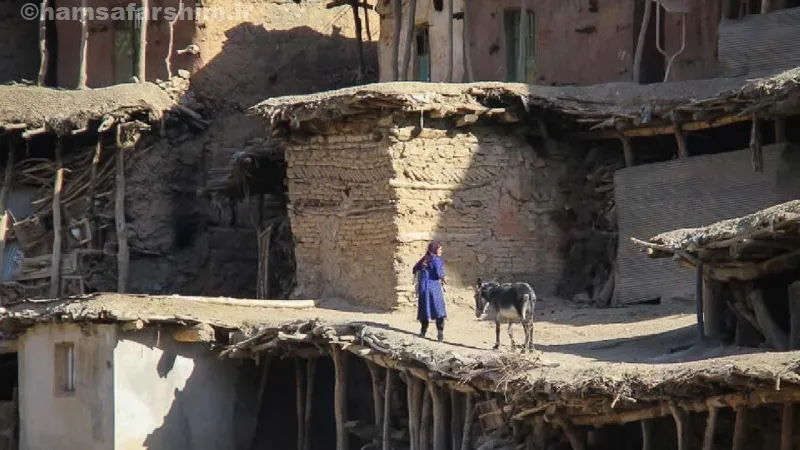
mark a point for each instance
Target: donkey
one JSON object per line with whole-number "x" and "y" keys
{"x": 512, "y": 301}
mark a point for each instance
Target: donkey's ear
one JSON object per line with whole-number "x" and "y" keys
{"x": 480, "y": 282}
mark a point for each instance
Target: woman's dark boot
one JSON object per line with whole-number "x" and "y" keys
{"x": 423, "y": 329}
{"x": 440, "y": 335}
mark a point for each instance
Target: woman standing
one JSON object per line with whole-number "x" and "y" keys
{"x": 430, "y": 290}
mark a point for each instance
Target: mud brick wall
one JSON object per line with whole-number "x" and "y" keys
{"x": 342, "y": 216}
{"x": 365, "y": 200}
{"x": 20, "y": 59}
{"x": 487, "y": 196}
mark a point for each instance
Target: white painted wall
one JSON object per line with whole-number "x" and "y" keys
{"x": 83, "y": 420}
{"x": 171, "y": 396}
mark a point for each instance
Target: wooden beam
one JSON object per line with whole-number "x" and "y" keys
{"x": 755, "y": 145}
{"x": 713, "y": 308}
{"x": 92, "y": 192}
{"x": 409, "y": 38}
{"x": 83, "y": 44}
{"x": 119, "y": 218}
{"x": 439, "y": 417}
{"x": 359, "y": 39}
{"x": 311, "y": 370}
{"x": 300, "y": 403}
{"x": 711, "y": 426}
{"x": 414, "y": 403}
{"x": 340, "y": 397}
{"x": 680, "y": 139}
{"x": 456, "y": 418}
{"x": 787, "y": 426}
{"x": 627, "y": 149}
{"x": 740, "y": 429}
{"x": 699, "y": 300}
{"x": 377, "y": 395}
{"x": 141, "y": 55}
{"x": 640, "y": 42}
{"x": 681, "y": 426}
{"x": 647, "y": 434}
{"x": 469, "y": 76}
{"x": 8, "y": 181}
{"x": 767, "y": 325}
{"x": 469, "y": 415}
{"x": 425, "y": 422}
{"x": 749, "y": 400}
{"x": 450, "y": 42}
{"x": 397, "y": 8}
{"x": 55, "y": 267}
{"x": 793, "y": 292}
{"x": 659, "y": 130}
{"x": 43, "y": 54}
{"x": 387, "y": 411}
{"x": 260, "y": 395}
{"x": 201, "y": 332}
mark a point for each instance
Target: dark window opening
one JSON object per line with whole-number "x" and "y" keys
{"x": 438, "y": 5}
{"x": 64, "y": 365}
{"x": 511, "y": 25}
{"x": 423, "y": 66}
{"x": 8, "y": 376}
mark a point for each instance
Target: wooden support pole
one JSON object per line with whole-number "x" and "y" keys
{"x": 367, "y": 28}
{"x": 787, "y": 426}
{"x": 340, "y": 397}
{"x": 439, "y": 417}
{"x": 82, "y": 46}
{"x": 119, "y": 219}
{"x": 311, "y": 370}
{"x": 450, "y": 42}
{"x": 359, "y": 38}
{"x": 647, "y": 431}
{"x": 794, "y": 315}
{"x": 711, "y": 425}
{"x": 680, "y": 138}
{"x": 780, "y": 130}
{"x": 171, "y": 40}
{"x": 740, "y": 429}
{"x": 522, "y": 30}
{"x": 575, "y": 436}
{"x": 414, "y": 401}
{"x": 469, "y": 76}
{"x": 713, "y": 308}
{"x": 469, "y": 415}
{"x": 627, "y": 149}
{"x": 755, "y": 144}
{"x": 262, "y": 391}
{"x": 92, "y": 192}
{"x": 377, "y": 395}
{"x": 681, "y": 426}
{"x": 55, "y": 268}
{"x": 773, "y": 333}
{"x": 640, "y": 42}
{"x": 43, "y": 54}
{"x": 456, "y": 418}
{"x": 409, "y": 38}
{"x": 8, "y": 180}
{"x": 300, "y": 403}
{"x": 425, "y": 422}
{"x": 699, "y": 300}
{"x": 387, "y": 411}
{"x": 141, "y": 54}
{"x": 397, "y": 8}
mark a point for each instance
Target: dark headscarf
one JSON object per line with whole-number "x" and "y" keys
{"x": 433, "y": 247}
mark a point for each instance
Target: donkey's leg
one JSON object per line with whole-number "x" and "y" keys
{"x": 496, "y": 333}
{"x": 531, "y": 346}
{"x": 511, "y": 333}
{"x": 527, "y": 335}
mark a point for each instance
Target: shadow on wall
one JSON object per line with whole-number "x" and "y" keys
{"x": 256, "y": 63}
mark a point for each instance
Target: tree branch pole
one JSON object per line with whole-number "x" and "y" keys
{"x": 450, "y": 41}
{"x": 439, "y": 417}
{"x": 787, "y": 426}
{"x": 42, "y": 43}
{"x": 397, "y": 6}
{"x": 119, "y": 217}
{"x": 413, "y": 396}
{"x": 171, "y": 39}
{"x": 83, "y": 44}
{"x": 8, "y": 180}
{"x": 469, "y": 413}
{"x": 711, "y": 425}
{"x": 409, "y": 39}
{"x": 340, "y": 398}
{"x": 377, "y": 397}
{"x": 311, "y": 369}
{"x": 640, "y": 42}
{"x": 98, "y": 153}
{"x": 262, "y": 390}
{"x": 740, "y": 429}
{"x": 387, "y": 411}
{"x": 521, "y": 47}
{"x": 141, "y": 55}
{"x": 469, "y": 76}
{"x": 359, "y": 38}
{"x": 300, "y": 404}
{"x": 55, "y": 268}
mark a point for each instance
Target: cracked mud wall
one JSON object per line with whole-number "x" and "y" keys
{"x": 366, "y": 198}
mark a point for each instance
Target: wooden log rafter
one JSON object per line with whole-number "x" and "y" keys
{"x": 119, "y": 216}
{"x": 43, "y": 53}
{"x": 340, "y": 397}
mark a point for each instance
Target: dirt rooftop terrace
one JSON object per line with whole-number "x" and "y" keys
{"x": 638, "y": 352}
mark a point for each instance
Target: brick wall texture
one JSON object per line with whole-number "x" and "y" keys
{"x": 365, "y": 200}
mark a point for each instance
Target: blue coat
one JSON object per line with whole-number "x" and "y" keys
{"x": 430, "y": 304}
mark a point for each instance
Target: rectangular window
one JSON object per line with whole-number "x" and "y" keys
{"x": 511, "y": 25}
{"x": 64, "y": 368}
{"x": 423, "y": 66}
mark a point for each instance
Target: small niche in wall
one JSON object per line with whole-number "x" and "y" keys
{"x": 438, "y": 5}
{"x": 64, "y": 365}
